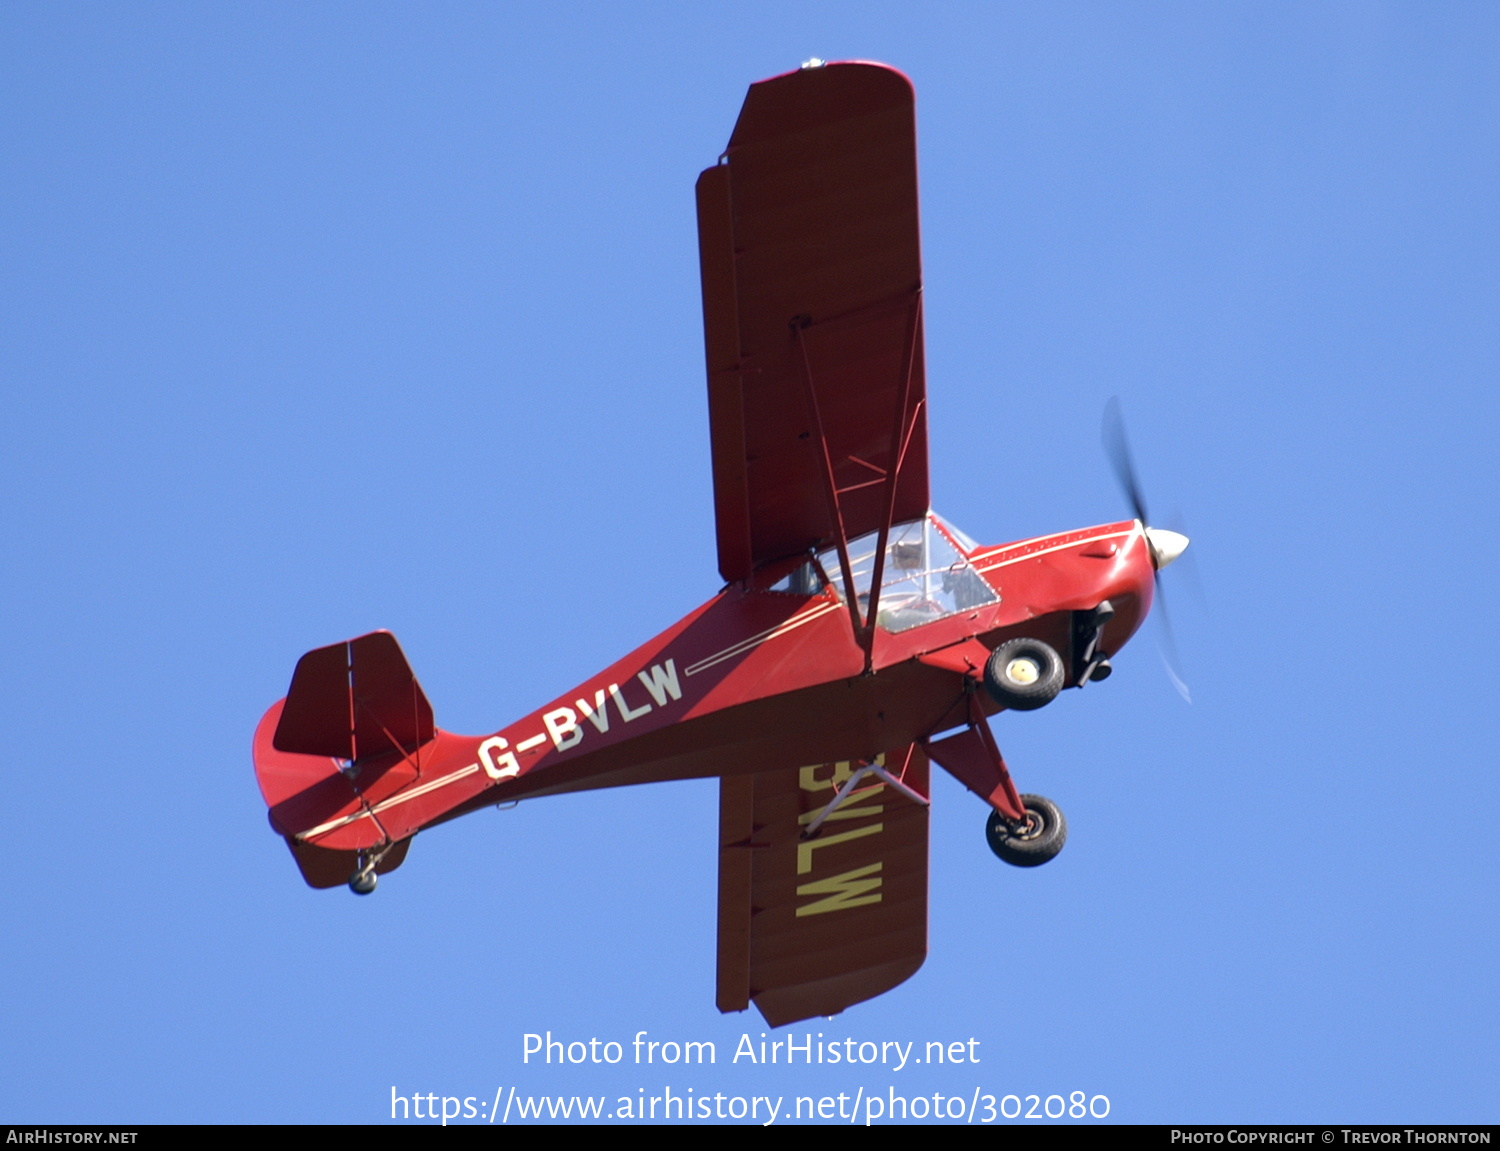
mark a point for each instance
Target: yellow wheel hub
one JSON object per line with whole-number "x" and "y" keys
{"x": 1022, "y": 671}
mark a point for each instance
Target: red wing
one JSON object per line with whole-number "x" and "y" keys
{"x": 812, "y": 281}
{"x": 810, "y": 927}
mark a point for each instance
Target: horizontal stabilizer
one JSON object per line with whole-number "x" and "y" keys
{"x": 324, "y": 868}
{"x": 354, "y": 700}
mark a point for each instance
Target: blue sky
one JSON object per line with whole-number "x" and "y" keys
{"x": 322, "y": 318}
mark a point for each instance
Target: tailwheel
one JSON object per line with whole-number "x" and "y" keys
{"x": 1032, "y": 842}
{"x": 363, "y": 881}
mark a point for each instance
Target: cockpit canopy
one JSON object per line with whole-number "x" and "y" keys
{"x": 926, "y": 575}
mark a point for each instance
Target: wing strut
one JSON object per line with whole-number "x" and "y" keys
{"x": 900, "y": 437}
{"x": 830, "y": 490}
{"x": 847, "y": 792}
{"x": 904, "y": 424}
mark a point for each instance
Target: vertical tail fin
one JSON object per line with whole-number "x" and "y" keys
{"x": 348, "y": 735}
{"x": 354, "y": 700}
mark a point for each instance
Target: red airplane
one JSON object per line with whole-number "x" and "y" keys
{"x": 858, "y": 636}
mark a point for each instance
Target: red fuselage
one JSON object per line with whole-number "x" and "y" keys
{"x": 754, "y": 680}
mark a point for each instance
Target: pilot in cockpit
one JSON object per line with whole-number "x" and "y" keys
{"x": 906, "y": 555}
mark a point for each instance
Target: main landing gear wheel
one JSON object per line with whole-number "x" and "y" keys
{"x": 362, "y": 882}
{"x": 1033, "y": 843}
{"x": 1024, "y": 674}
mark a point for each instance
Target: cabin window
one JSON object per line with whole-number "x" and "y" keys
{"x": 963, "y": 541}
{"x": 927, "y": 574}
{"x": 804, "y": 580}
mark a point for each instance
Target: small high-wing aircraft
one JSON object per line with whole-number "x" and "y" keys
{"x": 857, "y": 638}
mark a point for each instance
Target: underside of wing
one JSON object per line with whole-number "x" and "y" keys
{"x": 812, "y": 926}
{"x": 812, "y": 276}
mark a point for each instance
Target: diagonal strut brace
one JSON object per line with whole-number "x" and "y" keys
{"x": 845, "y": 793}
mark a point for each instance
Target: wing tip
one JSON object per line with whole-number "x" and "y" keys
{"x": 845, "y": 66}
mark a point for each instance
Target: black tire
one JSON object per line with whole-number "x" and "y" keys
{"x": 1033, "y": 845}
{"x": 1024, "y": 674}
{"x": 362, "y": 882}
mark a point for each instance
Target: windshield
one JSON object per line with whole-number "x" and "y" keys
{"x": 926, "y": 574}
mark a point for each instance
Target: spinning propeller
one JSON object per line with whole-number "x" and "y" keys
{"x": 1165, "y": 545}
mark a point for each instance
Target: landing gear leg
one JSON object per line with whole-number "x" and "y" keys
{"x": 972, "y": 757}
{"x": 1024, "y": 830}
